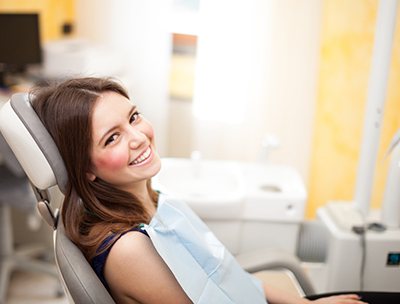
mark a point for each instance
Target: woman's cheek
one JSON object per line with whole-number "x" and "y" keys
{"x": 113, "y": 161}
{"x": 148, "y": 130}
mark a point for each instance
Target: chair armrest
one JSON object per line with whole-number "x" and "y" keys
{"x": 276, "y": 259}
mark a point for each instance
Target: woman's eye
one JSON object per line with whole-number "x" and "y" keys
{"x": 111, "y": 139}
{"x": 134, "y": 117}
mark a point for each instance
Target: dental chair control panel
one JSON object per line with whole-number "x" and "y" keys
{"x": 362, "y": 253}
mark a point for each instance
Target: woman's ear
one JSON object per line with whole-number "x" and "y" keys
{"x": 90, "y": 176}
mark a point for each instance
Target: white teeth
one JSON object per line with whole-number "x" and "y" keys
{"x": 142, "y": 157}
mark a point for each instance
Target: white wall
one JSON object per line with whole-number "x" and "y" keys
{"x": 294, "y": 73}
{"x": 138, "y": 33}
{"x": 277, "y": 78}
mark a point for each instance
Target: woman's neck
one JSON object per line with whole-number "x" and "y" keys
{"x": 148, "y": 203}
{"x": 140, "y": 191}
{"x": 142, "y": 194}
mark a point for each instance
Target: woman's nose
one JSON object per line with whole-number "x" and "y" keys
{"x": 136, "y": 138}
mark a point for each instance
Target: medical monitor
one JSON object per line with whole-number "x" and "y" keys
{"x": 20, "y": 42}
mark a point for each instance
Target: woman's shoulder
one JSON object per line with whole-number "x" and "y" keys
{"x": 131, "y": 267}
{"x": 129, "y": 253}
{"x": 125, "y": 259}
{"x": 131, "y": 243}
{"x": 104, "y": 249}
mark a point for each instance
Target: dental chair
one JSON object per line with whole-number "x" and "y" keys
{"x": 41, "y": 161}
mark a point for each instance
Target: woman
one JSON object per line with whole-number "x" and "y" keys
{"x": 109, "y": 151}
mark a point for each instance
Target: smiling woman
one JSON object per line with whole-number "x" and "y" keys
{"x": 99, "y": 132}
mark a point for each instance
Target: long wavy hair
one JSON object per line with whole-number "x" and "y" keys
{"x": 91, "y": 209}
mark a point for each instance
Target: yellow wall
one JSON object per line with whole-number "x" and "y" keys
{"x": 346, "y": 49}
{"x": 53, "y": 13}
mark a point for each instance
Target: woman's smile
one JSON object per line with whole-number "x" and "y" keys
{"x": 143, "y": 158}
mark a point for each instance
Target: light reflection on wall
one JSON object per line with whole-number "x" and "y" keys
{"x": 225, "y": 57}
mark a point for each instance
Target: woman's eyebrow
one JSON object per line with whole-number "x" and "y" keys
{"x": 131, "y": 111}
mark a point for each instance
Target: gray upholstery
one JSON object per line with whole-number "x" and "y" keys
{"x": 83, "y": 285}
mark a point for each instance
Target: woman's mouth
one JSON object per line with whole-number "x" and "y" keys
{"x": 141, "y": 158}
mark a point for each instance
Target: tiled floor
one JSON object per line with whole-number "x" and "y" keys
{"x": 34, "y": 288}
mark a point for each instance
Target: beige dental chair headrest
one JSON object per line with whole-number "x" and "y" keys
{"x": 32, "y": 144}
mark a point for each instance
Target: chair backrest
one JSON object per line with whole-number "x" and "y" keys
{"x": 40, "y": 159}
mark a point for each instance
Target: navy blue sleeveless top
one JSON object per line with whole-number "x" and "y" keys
{"x": 99, "y": 261}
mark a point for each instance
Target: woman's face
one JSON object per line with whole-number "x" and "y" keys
{"x": 123, "y": 151}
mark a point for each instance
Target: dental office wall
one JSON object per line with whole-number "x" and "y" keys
{"x": 347, "y": 33}
{"x": 258, "y": 80}
{"x": 313, "y": 64}
{"x": 136, "y": 32}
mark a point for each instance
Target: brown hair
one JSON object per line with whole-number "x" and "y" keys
{"x": 91, "y": 209}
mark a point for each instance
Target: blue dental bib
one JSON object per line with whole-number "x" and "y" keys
{"x": 205, "y": 269}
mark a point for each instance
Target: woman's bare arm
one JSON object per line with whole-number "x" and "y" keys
{"x": 135, "y": 271}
